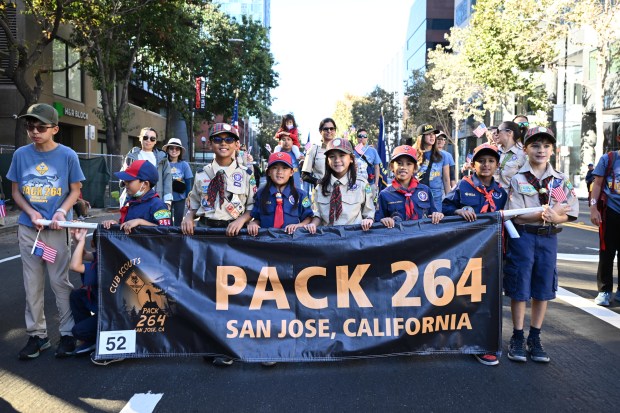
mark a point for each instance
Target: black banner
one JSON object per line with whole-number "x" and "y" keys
{"x": 341, "y": 293}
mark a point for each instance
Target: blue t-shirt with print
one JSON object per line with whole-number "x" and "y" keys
{"x": 180, "y": 172}
{"x": 44, "y": 178}
{"x": 611, "y": 184}
{"x": 435, "y": 178}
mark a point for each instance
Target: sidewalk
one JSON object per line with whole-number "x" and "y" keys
{"x": 10, "y": 220}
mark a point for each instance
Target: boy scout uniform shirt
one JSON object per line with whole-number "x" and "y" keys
{"x": 466, "y": 195}
{"x": 239, "y": 192}
{"x": 391, "y": 203}
{"x": 524, "y": 195}
{"x": 315, "y": 162}
{"x": 510, "y": 162}
{"x": 357, "y": 202}
{"x": 293, "y": 214}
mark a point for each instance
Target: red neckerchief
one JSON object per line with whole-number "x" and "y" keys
{"x": 489, "y": 204}
{"x": 407, "y": 192}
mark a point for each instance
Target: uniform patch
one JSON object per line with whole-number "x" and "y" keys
{"x": 162, "y": 214}
{"x": 291, "y": 199}
{"x": 569, "y": 185}
{"x": 252, "y": 181}
{"x": 204, "y": 202}
{"x": 514, "y": 157}
{"x": 422, "y": 196}
{"x": 497, "y": 195}
{"x": 527, "y": 189}
{"x": 557, "y": 182}
{"x": 238, "y": 184}
{"x": 368, "y": 189}
{"x": 237, "y": 177}
{"x": 354, "y": 187}
{"x": 305, "y": 202}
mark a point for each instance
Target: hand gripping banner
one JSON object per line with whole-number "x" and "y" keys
{"x": 341, "y": 293}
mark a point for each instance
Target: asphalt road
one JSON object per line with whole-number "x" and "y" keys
{"x": 582, "y": 375}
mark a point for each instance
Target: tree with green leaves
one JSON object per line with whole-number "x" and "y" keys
{"x": 24, "y": 68}
{"x": 367, "y": 111}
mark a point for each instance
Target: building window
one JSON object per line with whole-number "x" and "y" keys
{"x": 67, "y": 83}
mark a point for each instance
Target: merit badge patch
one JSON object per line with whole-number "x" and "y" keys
{"x": 161, "y": 214}
{"x": 305, "y": 202}
{"x": 527, "y": 189}
{"x": 422, "y": 196}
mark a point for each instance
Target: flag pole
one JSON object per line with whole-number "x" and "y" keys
{"x": 35, "y": 242}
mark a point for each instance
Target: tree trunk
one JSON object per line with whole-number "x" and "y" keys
{"x": 599, "y": 96}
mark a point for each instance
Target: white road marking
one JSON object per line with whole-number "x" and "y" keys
{"x": 142, "y": 403}
{"x": 579, "y": 257}
{"x": 589, "y": 307}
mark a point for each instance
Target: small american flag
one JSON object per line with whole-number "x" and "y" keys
{"x": 558, "y": 194}
{"x": 44, "y": 251}
{"x": 2, "y": 208}
{"x": 480, "y": 130}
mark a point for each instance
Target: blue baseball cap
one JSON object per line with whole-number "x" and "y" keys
{"x": 141, "y": 170}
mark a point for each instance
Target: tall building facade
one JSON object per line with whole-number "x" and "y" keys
{"x": 258, "y": 10}
{"x": 429, "y": 21}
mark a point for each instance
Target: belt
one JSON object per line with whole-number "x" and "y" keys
{"x": 539, "y": 229}
{"x": 214, "y": 223}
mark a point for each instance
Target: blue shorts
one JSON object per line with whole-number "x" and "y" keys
{"x": 530, "y": 270}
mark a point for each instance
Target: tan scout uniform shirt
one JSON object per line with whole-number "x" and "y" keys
{"x": 357, "y": 202}
{"x": 524, "y": 195}
{"x": 240, "y": 189}
{"x": 510, "y": 162}
{"x": 314, "y": 162}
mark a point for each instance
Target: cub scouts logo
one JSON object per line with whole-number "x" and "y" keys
{"x": 422, "y": 196}
{"x": 291, "y": 199}
{"x": 497, "y": 195}
{"x": 237, "y": 177}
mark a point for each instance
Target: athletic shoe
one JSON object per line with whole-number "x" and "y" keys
{"x": 516, "y": 350}
{"x": 603, "y": 298}
{"x": 86, "y": 347}
{"x": 34, "y": 347}
{"x": 222, "y": 361}
{"x": 536, "y": 350}
{"x": 488, "y": 359}
{"x": 103, "y": 362}
{"x": 66, "y": 347}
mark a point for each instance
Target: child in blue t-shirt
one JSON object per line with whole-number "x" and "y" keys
{"x": 280, "y": 204}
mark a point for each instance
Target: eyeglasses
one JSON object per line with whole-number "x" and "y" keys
{"x": 362, "y": 136}
{"x": 151, "y": 138}
{"x": 327, "y": 129}
{"x": 39, "y": 128}
{"x": 524, "y": 124}
{"x": 219, "y": 139}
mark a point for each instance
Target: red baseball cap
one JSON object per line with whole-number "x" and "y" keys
{"x": 405, "y": 150}
{"x": 483, "y": 149}
{"x": 141, "y": 170}
{"x": 282, "y": 157}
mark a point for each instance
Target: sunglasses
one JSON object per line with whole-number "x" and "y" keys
{"x": 524, "y": 124}
{"x": 151, "y": 138}
{"x": 40, "y": 128}
{"x": 328, "y": 129}
{"x": 362, "y": 136}
{"x": 219, "y": 139}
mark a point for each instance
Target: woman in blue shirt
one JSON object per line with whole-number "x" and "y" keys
{"x": 434, "y": 170}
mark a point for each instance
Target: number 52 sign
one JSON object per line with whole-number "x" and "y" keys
{"x": 117, "y": 342}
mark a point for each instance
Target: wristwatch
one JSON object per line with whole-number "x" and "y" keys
{"x": 592, "y": 202}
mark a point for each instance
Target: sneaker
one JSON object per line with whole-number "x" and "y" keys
{"x": 86, "y": 347}
{"x": 603, "y": 298}
{"x": 516, "y": 350}
{"x": 536, "y": 350}
{"x": 488, "y": 359}
{"x": 222, "y": 361}
{"x": 66, "y": 347}
{"x": 103, "y": 362}
{"x": 34, "y": 346}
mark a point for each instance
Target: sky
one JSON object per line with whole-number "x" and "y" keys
{"x": 324, "y": 49}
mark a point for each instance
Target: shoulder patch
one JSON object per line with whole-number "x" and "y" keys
{"x": 161, "y": 214}
{"x": 368, "y": 189}
{"x": 306, "y": 202}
